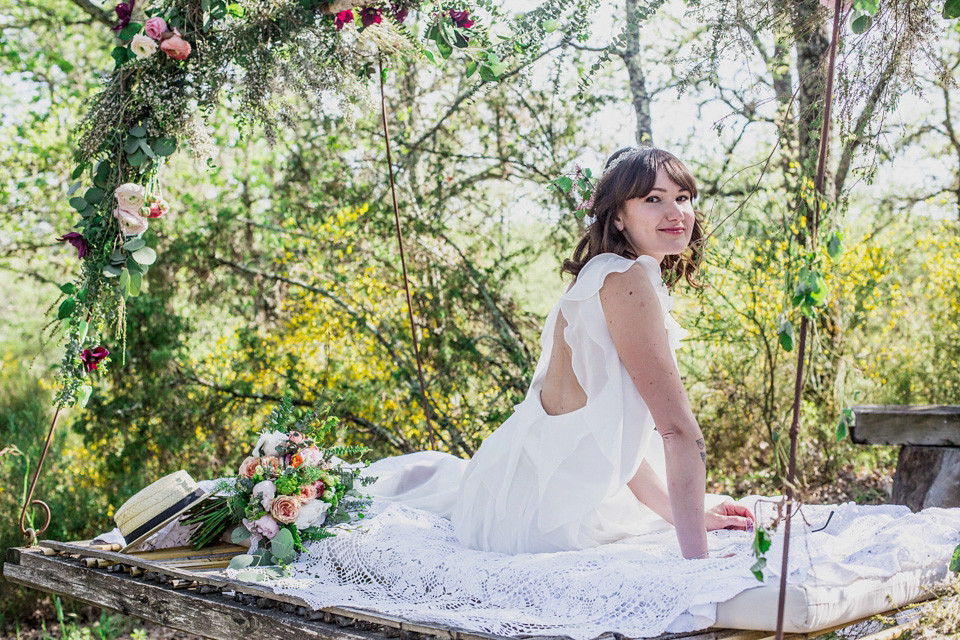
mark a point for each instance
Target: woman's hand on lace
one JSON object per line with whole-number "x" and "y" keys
{"x": 728, "y": 515}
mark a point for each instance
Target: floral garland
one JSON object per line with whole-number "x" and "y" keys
{"x": 171, "y": 64}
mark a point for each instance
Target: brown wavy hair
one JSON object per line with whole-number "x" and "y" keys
{"x": 634, "y": 177}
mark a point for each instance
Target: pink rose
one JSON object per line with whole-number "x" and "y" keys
{"x": 311, "y": 457}
{"x": 249, "y": 467}
{"x": 130, "y": 222}
{"x": 270, "y": 462}
{"x": 266, "y": 491}
{"x": 295, "y": 437}
{"x": 265, "y": 526}
{"x": 155, "y": 28}
{"x": 308, "y": 494}
{"x": 175, "y": 46}
{"x": 285, "y": 509}
{"x": 319, "y": 487}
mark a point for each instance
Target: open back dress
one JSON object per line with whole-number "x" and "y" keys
{"x": 542, "y": 482}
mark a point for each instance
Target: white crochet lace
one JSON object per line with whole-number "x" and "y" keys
{"x": 406, "y": 562}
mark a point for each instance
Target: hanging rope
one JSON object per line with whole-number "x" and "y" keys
{"x": 798, "y": 387}
{"x": 30, "y": 532}
{"x": 403, "y": 262}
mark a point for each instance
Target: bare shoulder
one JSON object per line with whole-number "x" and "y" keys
{"x": 628, "y": 289}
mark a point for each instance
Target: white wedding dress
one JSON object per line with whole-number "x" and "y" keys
{"x": 543, "y": 482}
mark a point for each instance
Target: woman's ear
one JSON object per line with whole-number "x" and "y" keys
{"x": 618, "y": 223}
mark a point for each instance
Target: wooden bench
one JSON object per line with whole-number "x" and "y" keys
{"x": 928, "y": 467}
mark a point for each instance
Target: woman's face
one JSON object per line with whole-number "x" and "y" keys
{"x": 660, "y": 223}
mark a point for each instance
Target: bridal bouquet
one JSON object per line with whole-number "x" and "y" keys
{"x": 288, "y": 490}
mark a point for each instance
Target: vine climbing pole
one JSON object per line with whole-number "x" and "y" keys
{"x": 801, "y": 351}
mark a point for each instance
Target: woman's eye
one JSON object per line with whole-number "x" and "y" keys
{"x": 682, "y": 199}
{"x": 653, "y": 199}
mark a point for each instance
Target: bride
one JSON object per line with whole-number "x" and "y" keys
{"x": 605, "y": 444}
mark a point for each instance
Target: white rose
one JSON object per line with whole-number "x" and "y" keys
{"x": 312, "y": 514}
{"x": 129, "y": 195}
{"x": 130, "y": 222}
{"x": 143, "y": 46}
{"x": 266, "y": 491}
{"x": 267, "y": 444}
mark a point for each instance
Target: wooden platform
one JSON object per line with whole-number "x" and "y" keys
{"x": 188, "y": 591}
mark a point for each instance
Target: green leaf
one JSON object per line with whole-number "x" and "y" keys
{"x": 951, "y": 10}
{"x": 101, "y": 174}
{"x": 94, "y": 195}
{"x": 132, "y": 144}
{"x": 78, "y": 203}
{"x": 67, "y": 307}
{"x": 83, "y": 395}
{"x": 785, "y": 335}
{"x": 868, "y": 6}
{"x": 68, "y": 288}
{"x": 73, "y": 188}
{"x": 136, "y": 281}
{"x": 146, "y": 149}
{"x": 550, "y": 26}
{"x": 445, "y": 49}
{"x": 249, "y": 576}
{"x": 955, "y": 560}
{"x": 112, "y": 271}
{"x": 145, "y": 255}
{"x": 835, "y": 245}
{"x": 563, "y": 184}
{"x": 164, "y": 146}
{"x": 282, "y": 546}
{"x": 120, "y": 55}
{"x": 138, "y": 131}
{"x": 133, "y": 245}
{"x": 757, "y": 568}
{"x": 82, "y": 328}
{"x": 78, "y": 171}
{"x": 861, "y": 24}
{"x": 239, "y": 535}
{"x": 241, "y": 561}
{"x": 761, "y": 541}
{"x": 843, "y": 424}
{"x": 125, "y": 281}
{"x": 429, "y": 56}
{"x": 118, "y": 257}
{"x": 129, "y": 31}
{"x": 133, "y": 266}
{"x": 471, "y": 67}
{"x": 136, "y": 159}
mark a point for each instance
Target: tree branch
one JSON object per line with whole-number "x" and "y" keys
{"x": 95, "y": 12}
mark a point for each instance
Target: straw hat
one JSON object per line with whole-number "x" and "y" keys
{"x": 157, "y": 505}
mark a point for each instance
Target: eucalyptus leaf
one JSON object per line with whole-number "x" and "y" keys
{"x": 282, "y": 546}
{"x": 133, "y": 266}
{"x": 67, "y": 307}
{"x": 133, "y": 245}
{"x": 118, "y": 257}
{"x": 757, "y": 568}
{"x": 951, "y": 10}
{"x": 112, "y": 271}
{"x": 146, "y": 149}
{"x": 82, "y": 327}
{"x": 137, "y": 158}
{"x": 164, "y": 146}
{"x": 83, "y": 395}
{"x": 78, "y": 203}
{"x": 68, "y": 288}
{"x": 132, "y": 144}
{"x": 136, "y": 281}
{"x": 145, "y": 256}
{"x": 861, "y": 24}
{"x": 241, "y": 561}
{"x": 471, "y": 67}
{"x": 94, "y": 195}
{"x": 138, "y": 131}
{"x": 78, "y": 171}
{"x": 240, "y": 534}
{"x": 125, "y": 281}
{"x": 249, "y": 576}
{"x": 73, "y": 188}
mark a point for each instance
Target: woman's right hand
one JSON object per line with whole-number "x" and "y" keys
{"x": 728, "y": 515}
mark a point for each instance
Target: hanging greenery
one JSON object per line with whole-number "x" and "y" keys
{"x": 176, "y": 61}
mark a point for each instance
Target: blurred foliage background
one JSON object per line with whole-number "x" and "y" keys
{"x": 279, "y": 271}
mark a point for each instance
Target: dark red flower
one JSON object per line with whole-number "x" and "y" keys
{"x": 369, "y": 16}
{"x": 124, "y": 12}
{"x": 78, "y": 241}
{"x": 461, "y": 18}
{"x": 91, "y": 358}
{"x": 399, "y": 14}
{"x": 343, "y": 18}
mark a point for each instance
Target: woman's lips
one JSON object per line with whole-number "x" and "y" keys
{"x": 674, "y": 230}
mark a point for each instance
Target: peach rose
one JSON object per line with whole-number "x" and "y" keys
{"x": 249, "y": 467}
{"x": 308, "y": 494}
{"x": 175, "y": 46}
{"x": 285, "y": 509}
{"x": 270, "y": 462}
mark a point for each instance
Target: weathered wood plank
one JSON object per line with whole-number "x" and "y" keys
{"x": 922, "y": 425}
{"x": 210, "y": 616}
{"x": 927, "y": 477}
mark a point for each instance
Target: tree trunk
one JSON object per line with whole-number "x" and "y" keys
{"x": 630, "y": 55}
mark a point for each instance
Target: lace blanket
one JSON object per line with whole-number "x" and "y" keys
{"x": 407, "y": 563}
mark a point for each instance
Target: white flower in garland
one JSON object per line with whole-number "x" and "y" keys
{"x": 130, "y": 196}
{"x": 130, "y": 222}
{"x": 143, "y": 46}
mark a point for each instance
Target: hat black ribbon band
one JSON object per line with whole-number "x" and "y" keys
{"x": 164, "y": 515}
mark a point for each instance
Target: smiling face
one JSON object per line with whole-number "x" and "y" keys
{"x": 660, "y": 223}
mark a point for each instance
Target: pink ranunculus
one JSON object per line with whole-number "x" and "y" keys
{"x": 265, "y": 526}
{"x": 129, "y": 196}
{"x": 249, "y": 467}
{"x": 285, "y": 509}
{"x": 175, "y": 46}
{"x": 131, "y": 223}
{"x": 295, "y": 437}
{"x": 155, "y": 28}
{"x": 311, "y": 457}
{"x": 342, "y": 18}
{"x": 267, "y": 491}
{"x": 158, "y": 208}
{"x": 308, "y": 493}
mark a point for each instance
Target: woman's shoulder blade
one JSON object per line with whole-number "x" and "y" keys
{"x": 594, "y": 274}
